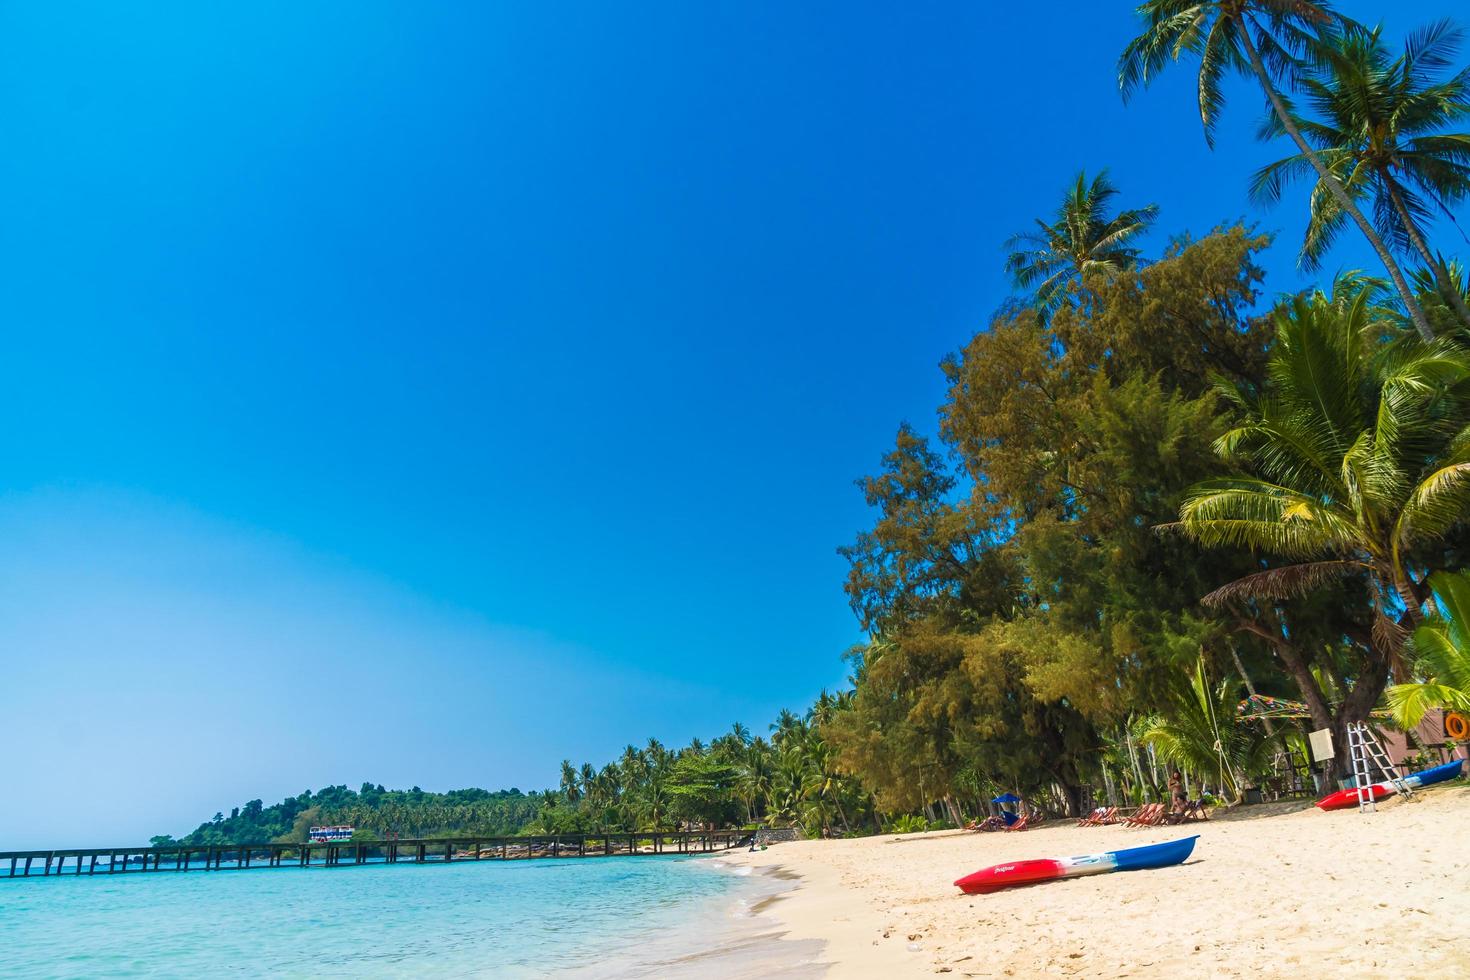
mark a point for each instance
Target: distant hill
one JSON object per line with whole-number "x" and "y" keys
{"x": 374, "y": 811}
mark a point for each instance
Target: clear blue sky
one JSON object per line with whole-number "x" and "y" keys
{"x": 425, "y": 393}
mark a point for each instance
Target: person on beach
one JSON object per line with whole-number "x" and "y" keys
{"x": 1176, "y": 792}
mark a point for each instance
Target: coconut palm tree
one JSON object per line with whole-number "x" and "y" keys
{"x": 756, "y": 772}
{"x": 1265, "y": 38}
{"x": 571, "y": 782}
{"x": 652, "y": 806}
{"x": 1441, "y": 650}
{"x": 1082, "y": 239}
{"x": 1355, "y": 460}
{"x": 823, "y": 785}
{"x": 1441, "y": 310}
{"x": 788, "y": 726}
{"x": 1379, "y": 130}
{"x": 1362, "y": 451}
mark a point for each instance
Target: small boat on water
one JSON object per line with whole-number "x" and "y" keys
{"x": 1029, "y": 872}
{"x": 1345, "y": 798}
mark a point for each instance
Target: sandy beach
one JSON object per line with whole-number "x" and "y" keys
{"x": 1276, "y": 890}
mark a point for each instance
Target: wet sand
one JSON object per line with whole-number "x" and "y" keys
{"x": 733, "y": 938}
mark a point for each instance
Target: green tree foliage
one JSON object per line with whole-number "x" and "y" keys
{"x": 1269, "y": 40}
{"x": 1084, "y": 240}
{"x": 1440, "y": 649}
{"x": 1354, "y": 474}
{"x": 1017, "y": 600}
{"x": 1379, "y": 126}
{"x": 379, "y": 812}
{"x": 1200, "y": 732}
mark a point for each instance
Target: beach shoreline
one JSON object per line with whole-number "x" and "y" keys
{"x": 731, "y": 936}
{"x": 1275, "y": 890}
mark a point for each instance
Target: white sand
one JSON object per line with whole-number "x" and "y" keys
{"x": 1278, "y": 890}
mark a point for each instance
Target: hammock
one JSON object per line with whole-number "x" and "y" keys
{"x": 1264, "y": 706}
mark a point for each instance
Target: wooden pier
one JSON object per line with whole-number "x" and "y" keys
{"x": 436, "y": 850}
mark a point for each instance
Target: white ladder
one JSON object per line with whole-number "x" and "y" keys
{"x": 1366, "y": 753}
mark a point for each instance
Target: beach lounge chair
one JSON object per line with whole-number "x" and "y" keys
{"x": 1100, "y": 817}
{"x": 1149, "y": 815}
{"x": 988, "y": 824}
{"x": 1020, "y": 824}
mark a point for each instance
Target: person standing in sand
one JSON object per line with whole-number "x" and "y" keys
{"x": 1176, "y": 792}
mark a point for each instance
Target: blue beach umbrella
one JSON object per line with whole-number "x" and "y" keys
{"x": 1006, "y": 798}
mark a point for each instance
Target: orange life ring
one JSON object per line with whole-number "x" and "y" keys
{"x": 1456, "y": 725}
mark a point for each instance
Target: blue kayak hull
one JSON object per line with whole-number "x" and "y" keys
{"x": 1155, "y": 855}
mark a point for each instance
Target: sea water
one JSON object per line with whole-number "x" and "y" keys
{"x": 605, "y": 917}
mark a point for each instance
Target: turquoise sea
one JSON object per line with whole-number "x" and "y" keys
{"x": 607, "y": 917}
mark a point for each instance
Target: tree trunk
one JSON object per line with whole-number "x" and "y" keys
{"x": 1447, "y": 289}
{"x": 1349, "y": 206}
{"x": 1311, "y": 691}
{"x": 1137, "y": 768}
{"x": 1357, "y": 707}
{"x": 1109, "y": 787}
{"x": 1265, "y": 722}
{"x": 1073, "y": 795}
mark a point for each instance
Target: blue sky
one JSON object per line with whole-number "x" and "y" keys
{"x": 427, "y": 393}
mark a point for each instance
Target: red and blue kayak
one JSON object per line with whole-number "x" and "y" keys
{"x": 1345, "y": 798}
{"x": 1029, "y": 872}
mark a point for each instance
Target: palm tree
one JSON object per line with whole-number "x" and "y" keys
{"x": 1266, "y": 38}
{"x": 1379, "y": 133}
{"x": 1441, "y": 646}
{"x": 755, "y": 776}
{"x": 1437, "y": 306}
{"x": 1360, "y": 455}
{"x": 787, "y": 725}
{"x": 1082, "y": 239}
{"x": 823, "y": 784}
{"x": 652, "y": 806}
{"x": 1199, "y": 732}
{"x": 571, "y": 783}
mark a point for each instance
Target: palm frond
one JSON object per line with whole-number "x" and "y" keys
{"x": 1287, "y": 582}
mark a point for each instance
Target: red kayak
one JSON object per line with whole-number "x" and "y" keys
{"x": 1028, "y": 872}
{"x": 1345, "y": 798}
